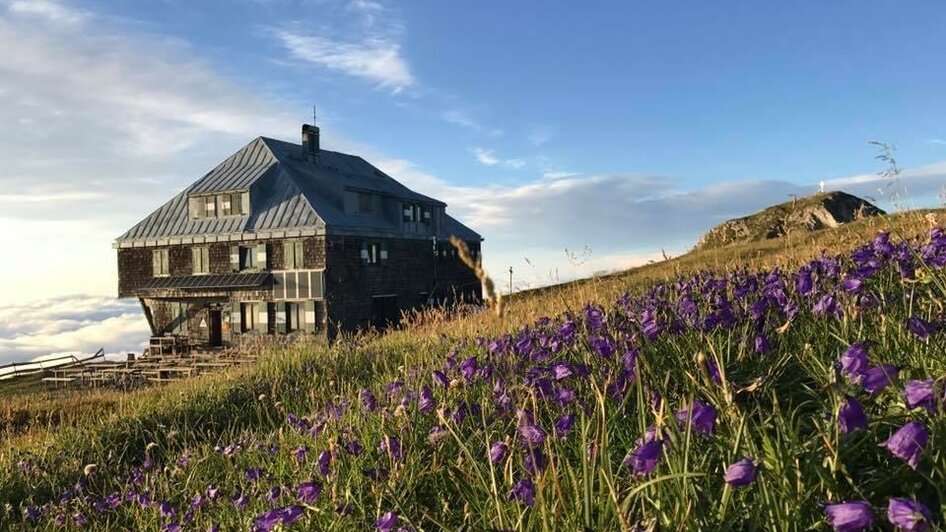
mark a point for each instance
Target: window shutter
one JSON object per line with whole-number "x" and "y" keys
{"x": 261, "y": 256}
{"x": 234, "y": 258}
{"x": 165, "y": 268}
{"x": 262, "y": 323}
{"x": 310, "y": 325}
{"x": 155, "y": 263}
{"x": 236, "y": 327}
{"x": 245, "y": 203}
{"x": 281, "y": 317}
{"x": 288, "y": 258}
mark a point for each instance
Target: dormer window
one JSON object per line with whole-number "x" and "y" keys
{"x": 365, "y": 203}
{"x": 415, "y": 212}
{"x": 212, "y": 206}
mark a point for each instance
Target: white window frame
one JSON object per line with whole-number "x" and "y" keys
{"x": 163, "y": 262}
{"x": 374, "y": 253}
{"x": 248, "y": 258}
{"x": 294, "y": 255}
{"x": 210, "y": 206}
{"x": 248, "y": 316}
{"x": 200, "y": 259}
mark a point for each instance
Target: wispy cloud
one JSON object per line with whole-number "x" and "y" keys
{"x": 462, "y": 118}
{"x": 375, "y": 59}
{"x": 488, "y": 157}
{"x": 94, "y": 113}
{"x": 60, "y": 198}
{"x": 626, "y": 219}
{"x": 365, "y": 44}
{"x": 558, "y": 174}
{"x": 49, "y": 11}
{"x": 539, "y": 136}
{"x": 941, "y": 142}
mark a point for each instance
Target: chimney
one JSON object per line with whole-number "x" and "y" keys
{"x": 310, "y": 142}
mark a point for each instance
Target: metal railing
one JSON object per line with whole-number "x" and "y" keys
{"x": 18, "y": 369}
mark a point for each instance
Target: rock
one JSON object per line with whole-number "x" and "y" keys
{"x": 811, "y": 213}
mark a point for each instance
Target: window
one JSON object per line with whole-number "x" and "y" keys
{"x": 415, "y": 212}
{"x": 200, "y": 259}
{"x": 231, "y": 204}
{"x": 294, "y": 314}
{"x": 293, "y": 258}
{"x": 373, "y": 253}
{"x": 159, "y": 262}
{"x": 247, "y": 316}
{"x": 365, "y": 203}
{"x": 251, "y": 258}
{"x": 210, "y": 206}
{"x": 248, "y": 258}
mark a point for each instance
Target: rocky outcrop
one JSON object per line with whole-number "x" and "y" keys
{"x": 811, "y": 213}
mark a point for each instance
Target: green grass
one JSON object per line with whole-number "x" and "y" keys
{"x": 778, "y": 408}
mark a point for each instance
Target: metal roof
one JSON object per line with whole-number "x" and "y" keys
{"x": 206, "y": 282}
{"x": 288, "y": 192}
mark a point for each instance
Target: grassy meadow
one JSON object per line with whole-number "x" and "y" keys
{"x": 791, "y": 384}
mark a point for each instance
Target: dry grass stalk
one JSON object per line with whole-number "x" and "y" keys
{"x": 495, "y": 298}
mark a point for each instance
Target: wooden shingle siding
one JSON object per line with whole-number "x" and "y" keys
{"x": 410, "y": 272}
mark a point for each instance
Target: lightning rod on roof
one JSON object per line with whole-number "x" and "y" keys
{"x": 314, "y": 120}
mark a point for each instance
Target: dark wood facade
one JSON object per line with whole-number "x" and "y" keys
{"x": 285, "y": 238}
{"x": 355, "y": 294}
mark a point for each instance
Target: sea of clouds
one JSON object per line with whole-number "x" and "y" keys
{"x": 77, "y": 324}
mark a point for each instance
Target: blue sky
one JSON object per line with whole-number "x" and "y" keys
{"x": 626, "y": 127}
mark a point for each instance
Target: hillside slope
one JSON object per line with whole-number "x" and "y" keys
{"x": 811, "y": 213}
{"x": 542, "y": 419}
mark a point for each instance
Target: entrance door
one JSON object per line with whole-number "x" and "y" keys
{"x": 216, "y": 329}
{"x": 384, "y": 311}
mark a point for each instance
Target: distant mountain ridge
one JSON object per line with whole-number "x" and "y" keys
{"x": 811, "y": 213}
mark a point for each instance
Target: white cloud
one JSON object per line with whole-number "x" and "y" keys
{"x": 625, "y": 219}
{"x": 484, "y": 156}
{"x": 86, "y": 89}
{"x": 66, "y": 197}
{"x": 99, "y": 123}
{"x": 941, "y": 142}
{"x": 917, "y": 184}
{"x": 70, "y": 325}
{"x": 376, "y": 59}
{"x": 49, "y": 11}
{"x": 559, "y": 174}
{"x": 462, "y": 118}
{"x": 488, "y": 158}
